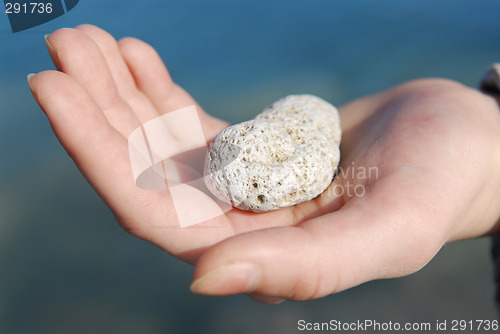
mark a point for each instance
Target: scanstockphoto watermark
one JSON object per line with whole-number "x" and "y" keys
{"x": 375, "y": 326}
{"x": 362, "y": 326}
{"x": 167, "y": 153}
{"x": 355, "y": 178}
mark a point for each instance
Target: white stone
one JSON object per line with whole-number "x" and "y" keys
{"x": 287, "y": 155}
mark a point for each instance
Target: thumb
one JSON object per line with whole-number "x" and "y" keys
{"x": 328, "y": 254}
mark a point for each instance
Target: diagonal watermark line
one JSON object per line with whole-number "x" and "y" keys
{"x": 167, "y": 153}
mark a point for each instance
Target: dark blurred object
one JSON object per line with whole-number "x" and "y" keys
{"x": 490, "y": 83}
{"x": 496, "y": 258}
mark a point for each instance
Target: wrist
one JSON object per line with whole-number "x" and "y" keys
{"x": 481, "y": 216}
{"x": 492, "y": 186}
{"x": 490, "y": 84}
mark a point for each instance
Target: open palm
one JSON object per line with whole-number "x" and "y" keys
{"x": 418, "y": 195}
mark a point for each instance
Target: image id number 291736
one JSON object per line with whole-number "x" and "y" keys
{"x": 28, "y": 8}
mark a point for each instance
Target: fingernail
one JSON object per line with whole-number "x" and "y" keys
{"x": 266, "y": 299}
{"x": 47, "y": 42}
{"x": 52, "y": 52}
{"x": 28, "y": 77}
{"x": 227, "y": 279}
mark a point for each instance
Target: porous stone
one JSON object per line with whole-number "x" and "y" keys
{"x": 286, "y": 155}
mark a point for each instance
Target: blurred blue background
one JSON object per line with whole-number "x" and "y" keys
{"x": 66, "y": 266}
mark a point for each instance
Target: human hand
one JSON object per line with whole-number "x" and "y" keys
{"x": 102, "y": 92}
{"x": 421, "y": 162}
{"x": 434, "y": 144}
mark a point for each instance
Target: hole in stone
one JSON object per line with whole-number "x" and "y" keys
{"x": 261, "y": 198}
{"x": 255, "y": 185}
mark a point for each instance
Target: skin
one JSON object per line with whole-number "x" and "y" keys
{"x": 436, "y": 144}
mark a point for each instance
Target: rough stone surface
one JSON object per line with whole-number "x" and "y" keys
{"x": 287, "y": 155}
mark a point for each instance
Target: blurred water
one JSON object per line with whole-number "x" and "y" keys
{"x": 68, "y": 268}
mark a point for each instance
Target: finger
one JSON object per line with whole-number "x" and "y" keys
{"x": 370, "y": 238}
{"x": 79, "y": 56}
{"x": 152, "y": 78}
{"x": 140, "y": 104}
{"x": 150, "y": 74}
{"x": 108, "y": 46}
{"x": 100, "y": 152}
